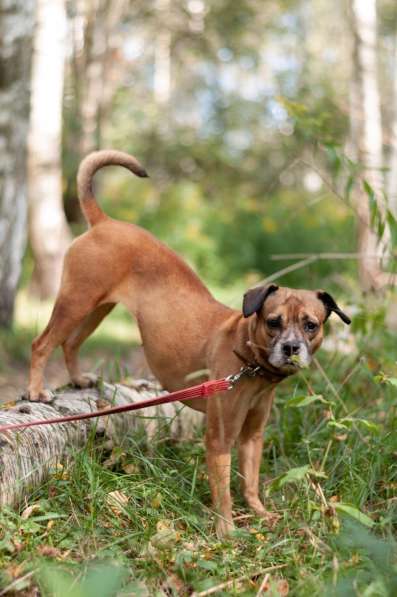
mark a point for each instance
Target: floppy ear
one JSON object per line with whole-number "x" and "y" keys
{"x": 253, "y": 299}
{"x": 330, "y": 306}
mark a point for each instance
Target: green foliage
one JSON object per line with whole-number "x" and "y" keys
{"x": 376, "y": 571}
{"x": 226, "y": 155}
{"x": 227, "y": 236}
{"x": 329, "y": 460}
{"x": 97, "y": 581}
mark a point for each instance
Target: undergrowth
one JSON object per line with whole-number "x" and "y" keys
{"x": 141, "y": 524}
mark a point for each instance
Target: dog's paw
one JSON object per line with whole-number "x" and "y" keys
{"x": 224, "y": 527}
{"x": 256, "y": 506}
{"x": 85, "y": 380}
{"x": 45, "y": 396}
{"x": 271, "y": 519}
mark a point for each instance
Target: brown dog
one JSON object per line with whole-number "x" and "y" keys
{"x": 184, "y": 330}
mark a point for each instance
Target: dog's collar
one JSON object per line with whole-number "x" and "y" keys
{"x": 258, "y": 369}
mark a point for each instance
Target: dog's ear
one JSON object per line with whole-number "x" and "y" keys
{"x": 331, "y": 306}
{"x": 253, "y": 299}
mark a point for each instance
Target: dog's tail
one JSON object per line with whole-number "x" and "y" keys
{"x": 93, "y": 162}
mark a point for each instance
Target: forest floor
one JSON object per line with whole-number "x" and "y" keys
{"x": 329, "y": 470}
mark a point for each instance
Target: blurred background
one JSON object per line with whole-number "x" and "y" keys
{"x": 268, "y": 128}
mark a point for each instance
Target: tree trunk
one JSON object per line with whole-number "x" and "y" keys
{"x": 366, "y": 132}
{"x": 97, "y": 70}
{"x": 48, "y": 229}
{"x": 91, "y": 80}
{"x": 17, "y": 19}
{"x": 392, "y": 173}
{"x": 162, "y": 56}
{"x": 27, "y": 456}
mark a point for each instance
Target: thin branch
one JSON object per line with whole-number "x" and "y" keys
{"x": 289, "y": 269}
{"x": 287, "y": 256}
{"x": 337, "y": 396}
{"x": 263, "y": 584}
{"x": 330, "y": 385}
{"x": 229, "y": 583}
{"x": 16, "y": 582}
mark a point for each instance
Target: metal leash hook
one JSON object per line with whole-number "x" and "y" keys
{"x": 246, "y": 370}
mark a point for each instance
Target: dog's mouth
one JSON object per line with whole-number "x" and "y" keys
{"x": 290, "y": 365}
{"x": 295, "y": 362}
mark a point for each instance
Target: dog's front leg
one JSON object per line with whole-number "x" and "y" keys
{"x": 218, "y": 463}
{"x": 223, "y": 427}
{"x": 250, "y": 456}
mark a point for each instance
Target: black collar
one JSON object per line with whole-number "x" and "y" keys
{"x": 271, "y": 374}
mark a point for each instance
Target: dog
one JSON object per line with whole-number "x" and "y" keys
{"x": 184, "y": 330}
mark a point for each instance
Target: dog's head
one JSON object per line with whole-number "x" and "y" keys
{"x": 287, "y": 324}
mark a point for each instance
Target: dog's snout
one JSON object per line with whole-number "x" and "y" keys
{"x": 291, "y": 348}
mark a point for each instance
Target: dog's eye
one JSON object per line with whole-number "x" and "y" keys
{"x": 310, "y": 326}
{"x": 274, "y": 323}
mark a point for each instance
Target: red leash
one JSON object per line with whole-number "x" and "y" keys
{"x": 200, "y": 391}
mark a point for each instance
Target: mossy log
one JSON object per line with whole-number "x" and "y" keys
{"x": 28, "y": 456}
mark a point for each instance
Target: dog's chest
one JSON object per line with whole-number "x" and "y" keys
{"x": 258, "y": 392}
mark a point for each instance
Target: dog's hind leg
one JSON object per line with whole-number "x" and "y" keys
{"x": 67, "y": 315}
{"x": 75, "y": 340}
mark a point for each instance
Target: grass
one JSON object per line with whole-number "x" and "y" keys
{"x": 328, "y": 469}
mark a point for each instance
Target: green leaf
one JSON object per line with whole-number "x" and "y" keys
{"x": 392, "y": 223}
{"x": 294, "y": 474}
{"x": 370, "y": 426}
{"x": 354, "y": 513}
{"x": 300, "y": 401}
{"x": 369, "y": 190}
{"x": 392, "y": 381}
{"x": 334, "y": 156}
{"x": 208, "y": 565}
{"x": 373, "y": 206}
{"x": 349, "y": 186}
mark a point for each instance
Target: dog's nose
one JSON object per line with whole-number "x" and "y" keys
{"x": 291, "y": 348}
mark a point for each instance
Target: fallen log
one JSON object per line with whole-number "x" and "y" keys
{"x": 27, "y": 457}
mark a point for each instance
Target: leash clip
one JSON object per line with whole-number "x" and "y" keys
{"x": 252, "y": 371}
{"x": 248, "y": 370}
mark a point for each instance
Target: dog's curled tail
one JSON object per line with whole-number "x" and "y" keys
{"x": 91, "y": 164}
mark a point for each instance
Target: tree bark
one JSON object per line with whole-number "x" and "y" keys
{"x": 48, "y": 229}
{"x": 28, "y": 456}
{"x": 17, "y": 19}
{"x": 97, "y": 68}
{"x": 162, "y": 56}
{"x": 392, "y": 173}
{"x": 366, "y": 130}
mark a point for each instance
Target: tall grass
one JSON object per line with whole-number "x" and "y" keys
{"x": 138, "y": 521}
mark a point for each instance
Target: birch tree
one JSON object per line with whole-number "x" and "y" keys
{"x": 96, "y": 41}
{"x": 366, "y": 130}
{"x": 162, "y": 56}
{"x": 28, "y": 456}
{"x": 48, "y": 229}
{"x": 392, "y": 173}
{"x": 17, "y": 20}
